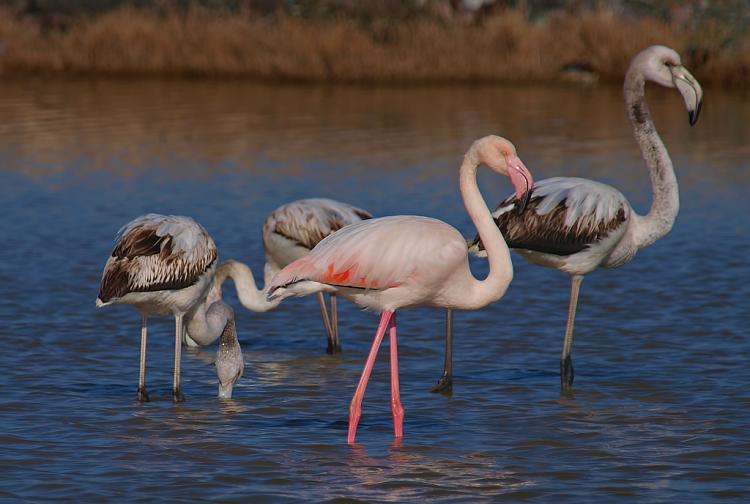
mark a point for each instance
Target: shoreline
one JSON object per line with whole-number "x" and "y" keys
{"x": 506, "y": 48}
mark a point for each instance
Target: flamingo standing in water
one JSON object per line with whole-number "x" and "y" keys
{"x": 166, "y": 264}
{"x": 406, "y": 261}
{"x": 293, "y": 229}
{"x": 577, "y": 225}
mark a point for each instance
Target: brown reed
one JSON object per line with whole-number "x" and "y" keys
{"x": 505, "y": 47}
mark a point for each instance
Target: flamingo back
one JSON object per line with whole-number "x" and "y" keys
{"x": 157, "y": 252}
{"x": 564, "y": 216}
{"x": 306, "y": 222}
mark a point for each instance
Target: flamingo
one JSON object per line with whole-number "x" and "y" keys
{"x": 577, "y": 225}
{"x": 164, "y": 264}
{"x": 293, "y": 229}
{"x": 405, "y": 261}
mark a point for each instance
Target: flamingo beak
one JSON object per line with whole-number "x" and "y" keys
{"x": 521, "y": 179}
{"x": 690, "y": 90}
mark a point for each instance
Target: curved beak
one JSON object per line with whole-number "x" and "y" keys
{"x": 522, "y": 181}
{"x": 690, "y": 90}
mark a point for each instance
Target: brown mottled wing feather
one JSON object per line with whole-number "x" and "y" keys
{"x": 548, "y": 233}
{"x": 145, "y": 261}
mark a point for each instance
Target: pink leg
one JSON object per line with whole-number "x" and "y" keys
{"x": 396, "y": 408}
{"x": 355, "y": 408}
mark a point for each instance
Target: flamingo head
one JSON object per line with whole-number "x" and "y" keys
{"x": 663, "y": 65}
{"x": 500, "y": 156}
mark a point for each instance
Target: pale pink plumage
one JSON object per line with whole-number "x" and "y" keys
{"x": 400, "y": 254}
{"x": 402, "y": 261}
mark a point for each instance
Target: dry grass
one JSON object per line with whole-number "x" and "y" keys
{"x": 505, "y": 48}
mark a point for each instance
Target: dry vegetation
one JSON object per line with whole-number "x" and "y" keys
{"x": 505, "y": 47}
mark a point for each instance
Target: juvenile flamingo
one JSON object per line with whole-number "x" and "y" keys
{"x": 165, "y": 264}
{"x": 406, "y": 261}
{"x": 577, "y": 225}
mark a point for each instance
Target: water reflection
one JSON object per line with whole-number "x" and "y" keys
{"x": 660, "y": 406}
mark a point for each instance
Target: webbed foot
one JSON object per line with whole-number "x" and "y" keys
{"x": 444, "y": 384}
{"x": 142, "y": 395}
{"x": 566, "y": 373}
{"x": 177, "y": 396}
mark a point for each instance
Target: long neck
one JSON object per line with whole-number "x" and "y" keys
{"x": 229, "y": 335}
{"x": 207, "y": 320}
{"x": 247, "y": 291}
{"x": 492, "y": 288}
{"x": 666, "y": 198}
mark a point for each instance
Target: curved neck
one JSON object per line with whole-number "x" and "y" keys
{"x": 244, "y": 282}
{"x": 207, "y": 320}
{"x": 666, "y": 198}
{"x": 492, "y": 288}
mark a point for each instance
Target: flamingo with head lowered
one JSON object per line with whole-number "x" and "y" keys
{"x": 166, "y": 264}
{"x": 577, "y": 225}
{"x": 406, "y": 261}
{"x": 289, "y": 232}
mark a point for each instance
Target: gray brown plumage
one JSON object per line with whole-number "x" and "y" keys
{"x": 576, "y": 225}
{"x": 306, "y": 222}
{"x": 163, "y": 264}
{"x": 549, "y": 233}
{"x": 156, "y": 252}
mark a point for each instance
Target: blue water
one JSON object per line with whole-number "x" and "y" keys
{"x": 660, "y": 409}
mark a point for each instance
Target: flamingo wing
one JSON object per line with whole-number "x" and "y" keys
{"x": 378, "y": 254}
{"x": 564, "y": 215}
{"x": 157, "y": 252}
{"x": 306, "y": 222}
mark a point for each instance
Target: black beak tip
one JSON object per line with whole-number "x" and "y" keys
{"x": 520, "y": 205}
{"x": 693, "y": 114}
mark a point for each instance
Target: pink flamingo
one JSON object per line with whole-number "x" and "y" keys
{"x": 406, "y": 261}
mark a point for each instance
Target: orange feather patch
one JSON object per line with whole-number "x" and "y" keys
{"x": 341, "y": 277}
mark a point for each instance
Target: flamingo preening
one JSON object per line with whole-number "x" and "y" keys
{"x": 293, "y": 229}
{"x": 577, "y": 225}
{"x": 406, "y": 261}
{"x": 166, "y": 264}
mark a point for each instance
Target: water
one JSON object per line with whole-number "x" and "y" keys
{"x": 660, "y": 410}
